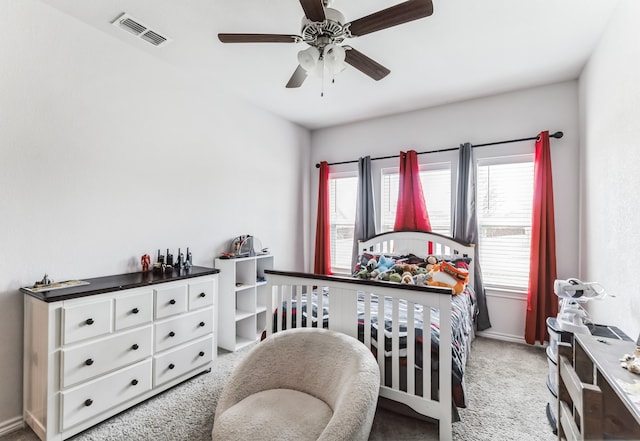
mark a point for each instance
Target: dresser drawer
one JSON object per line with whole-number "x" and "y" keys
{"x": 101, "y": 356}
{"x": 86, "y": 320}
{"x": 175, "y": 331}
{"x": 181, "y": 360}
{"x": 95, "y": 397}
{"x": 201, "y": 294}
{"x": 134, "y": 309}
{"x": 171, "y": 300}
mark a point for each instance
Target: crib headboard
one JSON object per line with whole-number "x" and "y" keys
{"x": 417, "y": 242}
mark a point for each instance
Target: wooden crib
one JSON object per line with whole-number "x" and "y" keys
{"x": 357, "y": 307}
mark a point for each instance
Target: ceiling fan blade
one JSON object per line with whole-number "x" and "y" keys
{"x": 365, "y": 64}
{"x": 258, "y": 38}
{"x": 313, "y": 9}
{"x": 297, "y": 78}
{"x": 395, "y": 15}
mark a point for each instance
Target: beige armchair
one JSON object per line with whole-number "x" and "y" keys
{"x": 300, "y": 384}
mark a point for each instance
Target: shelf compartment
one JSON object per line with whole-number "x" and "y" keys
{"x": 241, "y": 315}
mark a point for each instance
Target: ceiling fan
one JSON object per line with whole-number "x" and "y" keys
{"x": 324, "y": 29}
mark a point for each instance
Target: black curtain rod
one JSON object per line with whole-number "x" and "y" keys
{"x": 556, "y": 135}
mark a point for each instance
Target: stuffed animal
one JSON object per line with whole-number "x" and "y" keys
{"x": 384, "y": 263}
{"x": 407, "y": 279}
{"x": 430, "y": 262}
{"x": 446, "y": 275}
{"x": 631, "y": 362}
{"x": 421, "y": 279}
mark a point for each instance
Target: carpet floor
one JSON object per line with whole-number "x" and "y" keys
{"x": 506, "y": 387}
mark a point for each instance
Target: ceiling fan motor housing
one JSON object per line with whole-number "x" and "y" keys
{"x": 331, "y": 30}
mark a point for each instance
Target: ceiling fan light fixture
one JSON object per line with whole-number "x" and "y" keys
{"x": 308, "y": 58}
{"x": 334, "y": 57}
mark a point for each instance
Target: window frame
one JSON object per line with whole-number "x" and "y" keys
{"x": 332, "y": 176}
{"x": 501, "y": 160}
{"x": 441, "y": 164}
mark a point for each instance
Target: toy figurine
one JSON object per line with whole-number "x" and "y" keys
{"x": 46, "y": 281}
{"x": 145, "y": 260}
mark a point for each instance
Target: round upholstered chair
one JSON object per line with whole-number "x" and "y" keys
{"x": 300, "y": 384}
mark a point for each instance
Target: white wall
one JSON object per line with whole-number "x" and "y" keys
{"x": 509, "y": 116}
{"x": 610, "y": 156}
{"x": 107, "y": 154}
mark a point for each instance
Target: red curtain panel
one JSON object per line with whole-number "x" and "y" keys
{"x": 411, "y": 212}
{"x": 322, "y": 262}
{"x": 541, "y": 301}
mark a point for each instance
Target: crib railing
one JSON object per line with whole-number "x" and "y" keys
{"x": 350, "y": 306}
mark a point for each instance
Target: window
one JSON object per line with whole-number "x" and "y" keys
{"x": 343, "y": 192}
{"x": 504, "y": 203}
{"x": 436, "y": 186}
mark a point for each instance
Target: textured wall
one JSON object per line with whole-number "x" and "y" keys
{"x": 107, "y": 154}
{"x": 610, "y": 155}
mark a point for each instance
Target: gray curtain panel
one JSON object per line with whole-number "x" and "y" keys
{"x": 365, "y": 226}
{"x": 465, "y": 225}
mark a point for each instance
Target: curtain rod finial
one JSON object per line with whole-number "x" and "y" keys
{"x": 557, "y": 135}
{"x": 317, "y": 165}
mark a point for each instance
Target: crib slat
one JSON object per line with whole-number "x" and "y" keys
{"x": 395, "y": 344}
{"x": 299, "y": 289}
{"x": 287, "y": 298}
{"x": 321, "y": 306}
{"x": 279, "y": 306}
{"x": 270, "y": 309}
{"x": 411, "y": 349}
{"x": 380, "y": 338}
{"x": 367, "y": 320}
{"x": 426, "y": 351}
{"x": 308, "y": 306}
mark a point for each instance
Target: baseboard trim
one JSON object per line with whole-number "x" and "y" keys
{"x": 501, "y": 336}
{"x": 11, "y": 425}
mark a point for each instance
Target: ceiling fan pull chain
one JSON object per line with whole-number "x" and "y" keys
{"x": 322, "y": 77}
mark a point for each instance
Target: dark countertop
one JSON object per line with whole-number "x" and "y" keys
{"x": 100, "y": 285}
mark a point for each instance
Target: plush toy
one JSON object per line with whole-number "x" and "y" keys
{"x": 395, "y": 277}
{"x": 430, "y": 262}
{"x": 372, "y": 264}
{"x": 446, "y": 275}
{"x": 407, "y": 279}
{"x": 384, "y": 263}
{"x": 421, "y": 279}
{"x": 631, "y": 362}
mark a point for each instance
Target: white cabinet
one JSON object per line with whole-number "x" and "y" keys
{"x": 242, "y": 300}
{"x": 94, "y": 351}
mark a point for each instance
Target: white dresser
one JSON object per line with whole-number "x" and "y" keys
{"x": 93, "y": 351}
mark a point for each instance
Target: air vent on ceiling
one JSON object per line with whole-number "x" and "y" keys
{"x": 135, "y": 27}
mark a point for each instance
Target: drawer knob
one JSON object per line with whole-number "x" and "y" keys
{"x": 134, "y": 382}
{"x": 135, "y": 310}
{"x": 172, "y": 301}
{"x": 88, "y": 402}
{"x": 202, "y": 294}
{"x": 201, "y": 324}
{"x": 171, "y": 366}
{"x": 89, "y": 362}
{"x": 172, "y": 334}
{"x": 201, "y": 353}
{"x": 135, "y": 347}
{"x": 89, "y": 321}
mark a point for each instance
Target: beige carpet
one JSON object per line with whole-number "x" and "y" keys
{"x": 506, "y": 386}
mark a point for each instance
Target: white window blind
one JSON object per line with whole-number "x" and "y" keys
{"x": 343, "y": 192}
{"x": 436, "y": 186}
{"x": 504, "y": 203}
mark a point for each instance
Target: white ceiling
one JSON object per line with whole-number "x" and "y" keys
{"x": 466, "y": 49}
